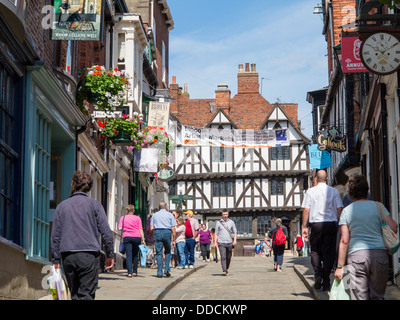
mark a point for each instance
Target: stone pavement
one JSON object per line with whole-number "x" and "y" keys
{"x": 250, "y": 278}
{"x": 116, "y": 285}
{"x": 303, "y": 268}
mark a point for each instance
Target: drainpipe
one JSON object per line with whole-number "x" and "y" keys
{"x": 330, "y": 9}
{"x": 77, "y": 133}
{"x": 385, "y": 146}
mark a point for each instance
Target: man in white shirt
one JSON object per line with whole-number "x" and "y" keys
{"x": 322, "y": 208}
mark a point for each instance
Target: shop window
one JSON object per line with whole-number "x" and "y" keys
{"x": 263, "y": 225}
{"x": 41, "y": 226}
{"x": 244, "y": 226}
{"x": 8, "y": 158}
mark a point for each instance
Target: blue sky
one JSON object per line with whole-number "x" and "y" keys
{"x": 283, "y": 38}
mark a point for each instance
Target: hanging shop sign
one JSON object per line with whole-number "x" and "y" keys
{"x": 145, "y": 160}
{"x": 77, "y": 20}
{"x": 166, "y": 173}
{"x": 319, "y": 159}
{"x": 158, "y": 114}
{"x": 351, "y": 57}
{"x": 193, "y": 136}
{"x": 331, "y": 140}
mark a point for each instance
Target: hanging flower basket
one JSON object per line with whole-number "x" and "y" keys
{"x": 161, "y": 139}
{"x": 105, "y": 89}
{"x": 125, "y": 131}
{"x": 122, "y": 139}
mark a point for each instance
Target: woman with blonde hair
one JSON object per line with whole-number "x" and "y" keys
{"x": 131, "y": 226}
{"x": 180, "y": 242}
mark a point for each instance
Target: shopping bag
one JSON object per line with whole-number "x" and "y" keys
{"x": 58, "y": 287}
{"x": 389, "y": 237}
{"x": 143, "y": 255}
{"x": 338, "y": 292}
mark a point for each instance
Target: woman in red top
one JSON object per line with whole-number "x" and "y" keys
{"x": 299, "y": 245}
{"x": 132, "y": 236}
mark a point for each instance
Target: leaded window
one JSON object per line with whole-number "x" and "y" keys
{"x": 223, "y": 189}
{"x": 280, "y": 153}
{"x": 277, "y": 186}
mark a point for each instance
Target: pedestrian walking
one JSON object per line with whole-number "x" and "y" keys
{"x": 133, "y": 236}
{"x": 180, "y": 243}
{"x": 362, "y": 243}
{"x": 205, "y": 241}
{"x": 149, "y": 233}
{"x": 322, "y": 208}
{"x": 163, "y": 224}
{"x": 223, "y": 234}
{"x": 174, "y": 261}
{"x": 191, "y": 233}
{"x": 278, "y": 235}
{"x": 214, "y": 251}
{"x": 299, "y": 245}
{"x": 267, "y": 247}
{"x": 78, "y": 222}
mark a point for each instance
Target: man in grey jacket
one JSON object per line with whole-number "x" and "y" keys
{"x": 223, "y": 236}
{"x": 78, "y": 223}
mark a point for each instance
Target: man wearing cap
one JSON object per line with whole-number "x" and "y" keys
{"x": 192, "y": 230}
{"x": 163, "y": 223}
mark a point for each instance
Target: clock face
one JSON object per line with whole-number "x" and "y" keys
{"x": 380, "y": 53}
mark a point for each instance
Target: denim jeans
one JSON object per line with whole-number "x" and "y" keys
{"x": 162, "y": 239}
{"x": 205, "y": 250}
{"x": 180, "y": 253}
{"x": 132, "y": 250}
{"x": 189, "y": 251}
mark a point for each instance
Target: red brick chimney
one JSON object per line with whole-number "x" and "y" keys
{"x": 248, "y": 80}
{"x": 175, "y": 93}
{"x": 223, "y": 96}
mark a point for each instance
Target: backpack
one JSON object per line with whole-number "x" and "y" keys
{"x": 280, "y": 237}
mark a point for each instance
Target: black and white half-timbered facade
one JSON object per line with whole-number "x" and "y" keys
{"x": 256, "y": 184}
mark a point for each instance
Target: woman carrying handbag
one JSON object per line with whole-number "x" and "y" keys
{"x": 362, "y": 244}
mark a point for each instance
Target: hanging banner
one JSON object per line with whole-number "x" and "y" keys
{"x": 145, "y": 160}
{"x": 77, "y": 20}
{"x": 319, "y": 159}
{"x": 351, "y": 58}
{"x": 158, "y": 114}
{"x": 193, "y": 136}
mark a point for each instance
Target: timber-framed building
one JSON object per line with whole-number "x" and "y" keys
{"x": 257, "y": 185}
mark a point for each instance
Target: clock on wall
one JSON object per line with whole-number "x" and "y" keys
{"x": 380, "y": 53}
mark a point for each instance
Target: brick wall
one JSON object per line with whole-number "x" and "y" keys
{"x": 40, "y": 37}
{"x": 162, "y": 35}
